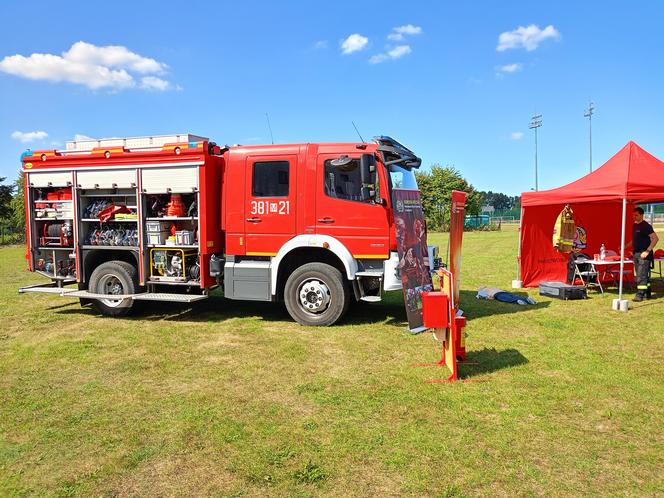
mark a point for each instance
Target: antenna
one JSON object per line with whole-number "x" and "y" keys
{"x": 589, "y": 114}
{"x": 357, "y": 131}
{"x": 267, "y": 116}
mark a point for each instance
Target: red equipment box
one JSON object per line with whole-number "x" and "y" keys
{"x": 435, "y": 310}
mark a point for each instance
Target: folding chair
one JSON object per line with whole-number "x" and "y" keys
{"x": 614, "y": 273}
{"x": 585, "y": 271}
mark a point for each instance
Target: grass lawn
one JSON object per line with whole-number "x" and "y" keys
{"x": 234, "y": 399}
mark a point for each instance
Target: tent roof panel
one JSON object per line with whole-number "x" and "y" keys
{"x": 631, "y": 173}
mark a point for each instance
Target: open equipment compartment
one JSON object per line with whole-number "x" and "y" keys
{"x": 108, "y": 217}
{"x": 100, "y": 201}
{"x": 50, "y": 216}
{"x": 171, "y": 198}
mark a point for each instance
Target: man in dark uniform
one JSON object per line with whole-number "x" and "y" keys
{"x": 644, "y": 240}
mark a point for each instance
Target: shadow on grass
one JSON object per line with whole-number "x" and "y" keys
{"x": 488, "y": 361}
{"x": 390, "y": 311}
{"x": 217, "y": 309}
{"x": 478, "y": 308}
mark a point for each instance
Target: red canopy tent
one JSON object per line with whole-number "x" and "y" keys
{"x": 600, "y": 201}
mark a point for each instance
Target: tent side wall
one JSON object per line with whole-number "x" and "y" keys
{"x": 540, "y": 262}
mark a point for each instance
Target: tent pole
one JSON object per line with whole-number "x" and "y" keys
{"x": 517, "y": 284}
{"x": 518, "y": 249}
{"x": 622, "y": 247}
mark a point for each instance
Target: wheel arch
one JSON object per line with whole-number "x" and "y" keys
{"x": 93, "y": 258}
{"x": 309, "y": 249}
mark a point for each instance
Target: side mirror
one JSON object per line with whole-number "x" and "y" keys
{"x": 368, "y": 169}
{"x": 368, "y": 175}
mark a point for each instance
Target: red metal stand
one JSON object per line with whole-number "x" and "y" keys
{"x": 439, "y": 314}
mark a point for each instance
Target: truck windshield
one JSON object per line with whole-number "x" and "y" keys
{"x": 403, "y": 178}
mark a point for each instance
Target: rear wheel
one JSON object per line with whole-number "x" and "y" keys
{"x": 113, "y": 278}
{"x": 316, "y": 294}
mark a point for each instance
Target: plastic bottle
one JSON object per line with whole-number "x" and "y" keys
{"x": 602, "y": 252}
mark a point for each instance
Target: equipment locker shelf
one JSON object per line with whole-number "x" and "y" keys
{"x": 118, "y": 248}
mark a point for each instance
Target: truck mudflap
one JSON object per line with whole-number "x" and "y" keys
{"x": 143, "y": 296}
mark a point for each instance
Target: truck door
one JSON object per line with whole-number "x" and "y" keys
{"x": 361, "y": 225}
{"x": 270, "y": 203}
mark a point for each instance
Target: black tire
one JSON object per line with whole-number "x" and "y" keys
{"x": 327, "y": 295}
{"x": 113, "y": 277}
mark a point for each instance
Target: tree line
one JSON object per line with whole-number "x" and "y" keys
{"x": 436, "y": 186}
{"x": 12, "y": 210}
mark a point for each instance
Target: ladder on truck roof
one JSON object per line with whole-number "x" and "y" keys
{"x": 88, "y": 144}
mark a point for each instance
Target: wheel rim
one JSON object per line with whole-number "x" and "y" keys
{"x": 314, "y": 296}
{"x": 110, "y": 284}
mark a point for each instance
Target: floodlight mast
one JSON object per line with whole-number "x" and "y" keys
{"x": 535, "y": 122}
{"x": 589, "y": 114}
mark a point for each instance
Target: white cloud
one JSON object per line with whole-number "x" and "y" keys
{"x": 320, "y": 44}
{"x": 57, "y": 69}
{"x": 400, "y": 32}
{"x": 516, "y": 135}
{"x": 354, "y": 43}
{"x": 29, "y": 136}
{"x": 526, "y": 37}
{"x": 88, "y": 65}
{"x": 154, "y": 83}
{"x": 510, "y": 68}
{"x": 115, "y": 56}
{"x": 393, "y": 54}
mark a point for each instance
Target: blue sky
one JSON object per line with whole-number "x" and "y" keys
{"x": 434, "y": 75}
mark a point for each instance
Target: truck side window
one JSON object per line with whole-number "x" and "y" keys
{"x": 343, "y": 182}
{"x": 270, "y": 179}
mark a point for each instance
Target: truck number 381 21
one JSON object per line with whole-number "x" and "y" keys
{"x": 270, "y": 207}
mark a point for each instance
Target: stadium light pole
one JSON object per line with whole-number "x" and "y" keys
{"x": 535, "y": 123}
{"x": 589, "y": 114}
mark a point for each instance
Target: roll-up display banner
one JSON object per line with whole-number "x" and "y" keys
{"x": 413, "y": 254}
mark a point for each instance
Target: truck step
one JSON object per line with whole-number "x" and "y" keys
{"x": 165, "y": 296}
{"x": 46, "y": 289}
{"x": 91, "y": 295}
{"x": 370, "y": 299}
{"x": 145, "y": 296}
{"x": 375, "y": 274}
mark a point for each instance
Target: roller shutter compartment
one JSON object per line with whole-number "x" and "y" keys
{"x": 164, "y": 180}
{"x": 50, "y": 179}
{"x": 117, "y": 178}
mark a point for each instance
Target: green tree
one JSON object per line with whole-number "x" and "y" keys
{"x": 6, "y": 192}
{"x": 17, "y": 216}
{"x": 436, "y": 187}
{"x": 500, "y": 202}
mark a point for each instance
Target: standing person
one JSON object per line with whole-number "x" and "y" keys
{"x": 644, "y": 240}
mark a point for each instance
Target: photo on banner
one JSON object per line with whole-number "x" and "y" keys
{"x": 413, "y": 254}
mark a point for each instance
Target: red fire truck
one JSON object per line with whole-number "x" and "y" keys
{"x": 169, "y": 218}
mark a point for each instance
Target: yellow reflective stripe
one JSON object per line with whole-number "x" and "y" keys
{"x": 370, "y": 256}
{"x": 102, "y": 150}
{"x": 261, "y": 254}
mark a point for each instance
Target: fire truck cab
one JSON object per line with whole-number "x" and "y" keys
{"x": 169, "y": 218}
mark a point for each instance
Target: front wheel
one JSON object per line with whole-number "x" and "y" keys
{"x": 316, "y": 294}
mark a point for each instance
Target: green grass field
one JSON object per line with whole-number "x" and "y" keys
{"x": 234, "y": 399}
